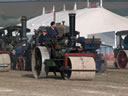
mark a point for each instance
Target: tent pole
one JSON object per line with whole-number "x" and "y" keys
{"x": 75, "y": 6}
{"x": 88, "y": 5}
{"x": 54, "y": 14}
{"x": 43, "y": 11}
{"x": 101, "y": 3}
{"x": 115, "y": 40}
{"x": 64, "y": 8}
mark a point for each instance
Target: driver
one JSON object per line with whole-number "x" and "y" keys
{"x": 52, "y": 32}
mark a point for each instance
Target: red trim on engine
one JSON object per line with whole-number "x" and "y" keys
{"x": 4, "y": 52}
{"x": 77, "y": 54}
{"x": 52, "y": 48}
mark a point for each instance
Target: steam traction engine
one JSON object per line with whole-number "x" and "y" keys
{"x": 65, "y": 55}
{"x": 121, "y": 52}
{"x": 11, "y": 38}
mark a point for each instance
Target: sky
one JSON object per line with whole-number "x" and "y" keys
{"x": 15, "y": 0}
{"x": 65, "y": 0}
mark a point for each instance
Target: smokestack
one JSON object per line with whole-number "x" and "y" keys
{"x": 72, "y": 23}
{"x": 24, "y": 29}
{"x": 72, "y": 29}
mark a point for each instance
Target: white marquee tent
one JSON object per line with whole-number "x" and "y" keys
{"x": 88, "y": 20}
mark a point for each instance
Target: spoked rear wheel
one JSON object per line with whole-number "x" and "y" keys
{"x": 122, "y": 59}
{"x": 66, "y": 73}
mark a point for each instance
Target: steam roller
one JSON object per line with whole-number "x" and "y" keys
{"x": 72, "y": 66}
{"x": 5, "y": 62}
{"x": 72, "y": 56}
{"x": 121, "y": 52}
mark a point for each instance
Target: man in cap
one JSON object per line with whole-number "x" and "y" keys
{"x": 43, "y": 37}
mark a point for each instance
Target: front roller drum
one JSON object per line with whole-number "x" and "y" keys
{"x": 122, "y": 59}
{"x": 5, "y": 62}
{"x": 38, "y": 57}
{"x": 80, "y": 68}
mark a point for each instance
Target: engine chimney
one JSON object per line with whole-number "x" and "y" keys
{"x": 24, "y": 29}
{"x": 72, "y": 23}
{"x": 72, "y": 29}
{"x": 24, "y": 32}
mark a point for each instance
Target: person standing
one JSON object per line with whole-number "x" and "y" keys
{"x": 17, "y": 52}
{"x": 52, "y": 32}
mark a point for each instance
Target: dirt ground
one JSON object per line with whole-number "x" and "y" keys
{"x": 113, "y": 82}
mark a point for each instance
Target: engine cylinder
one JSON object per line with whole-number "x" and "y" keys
{"x": 5, "y": 62}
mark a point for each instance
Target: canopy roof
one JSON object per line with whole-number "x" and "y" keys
{"x": 88, "y": 21}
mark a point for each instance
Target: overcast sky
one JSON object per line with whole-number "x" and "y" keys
{"x": 68, "y": 0}
{"x": 15, "y": 0}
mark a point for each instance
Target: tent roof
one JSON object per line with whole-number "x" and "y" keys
{"x": 88, "y": 20}
{"x": 100, "y": 20}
